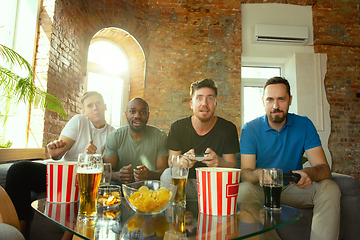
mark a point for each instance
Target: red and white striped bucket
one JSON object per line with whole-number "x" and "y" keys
{"x": 212, "y": 227}
{"x": 218, "y": 189}
{"x": 61, "y": 182}
{"x": 63, "y": 213}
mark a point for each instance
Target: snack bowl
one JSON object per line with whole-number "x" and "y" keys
{"x": 149, "y": 197}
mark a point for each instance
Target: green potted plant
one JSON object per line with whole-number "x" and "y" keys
{"x": 15, "y": 89}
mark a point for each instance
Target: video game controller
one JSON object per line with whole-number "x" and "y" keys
{"x": 291, "y": 177}
{"x": 200, "y": 157}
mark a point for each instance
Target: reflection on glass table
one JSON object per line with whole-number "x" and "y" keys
{"x": 174, "y": 223}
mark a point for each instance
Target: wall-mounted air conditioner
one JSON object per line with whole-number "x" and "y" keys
{"x": 280, "y": 34}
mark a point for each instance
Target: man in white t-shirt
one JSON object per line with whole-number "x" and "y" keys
{"x": 83, "y": 133}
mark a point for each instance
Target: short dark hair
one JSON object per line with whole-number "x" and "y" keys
{"x": 90, "y": 94}
{"x": 138, "y": 98}
{"x": 277, "y": 80}
{"x": 209, "y": 83}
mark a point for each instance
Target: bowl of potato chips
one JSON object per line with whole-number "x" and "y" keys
{"x": 149, "y": 197}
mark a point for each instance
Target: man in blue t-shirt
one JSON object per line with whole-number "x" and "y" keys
{"x": 278, "y": 140}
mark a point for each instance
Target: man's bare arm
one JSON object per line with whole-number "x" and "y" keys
{"x": 248, "y": 171}
{"x": 229, "y": 160}
{"x": 112, "y": 160}
{"x": 161, "y": 165}
{"x": 59, "y": 147}
{"x": 319, "y": 169}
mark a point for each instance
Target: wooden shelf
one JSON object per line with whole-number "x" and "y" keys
{"x": 14, "y": 154}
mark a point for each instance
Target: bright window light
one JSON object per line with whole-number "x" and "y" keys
{"x": 253, "y": 106}
{"x": 111, "y": 88}
{"x": 107, "y": 69}
{"x": 109, "y": 56}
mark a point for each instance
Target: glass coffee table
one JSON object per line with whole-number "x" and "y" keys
{"x": 174, "y": 223}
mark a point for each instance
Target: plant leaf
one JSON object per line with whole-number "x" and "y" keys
{"x": 23, "y": 89}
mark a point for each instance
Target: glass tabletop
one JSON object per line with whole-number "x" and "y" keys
{"x": 174, "y": 223}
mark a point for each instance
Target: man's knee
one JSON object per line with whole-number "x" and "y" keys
{"x": 247, "y": 192}
{"x": 330, "y": 190}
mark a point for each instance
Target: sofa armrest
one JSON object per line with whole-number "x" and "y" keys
{"x": 349, "y": 186}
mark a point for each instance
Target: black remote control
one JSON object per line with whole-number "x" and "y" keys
{"x": 291, "y": 177}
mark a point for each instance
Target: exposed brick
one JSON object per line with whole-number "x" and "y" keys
{"x": 185, "y": 41}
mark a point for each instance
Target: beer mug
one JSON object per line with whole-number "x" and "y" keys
{"x": 179, "y": 168}
{"x": 89, "y": 171}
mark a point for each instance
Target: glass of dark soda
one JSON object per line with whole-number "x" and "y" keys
{"x": 272, "y": 183}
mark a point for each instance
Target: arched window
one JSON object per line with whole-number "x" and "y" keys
{"x": 108, "y": 74}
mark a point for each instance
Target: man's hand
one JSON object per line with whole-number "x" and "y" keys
{"x": 124, "y": 175}
{"x": 90, "y": 148}
{"x": 213, "y": 160}
{"x": 141, "y": 173}
{"x": 304, "y": 182}
{"x": 58, "y": 148}
{"x": 55, "y": 148}
{"x": 192, "y": 160}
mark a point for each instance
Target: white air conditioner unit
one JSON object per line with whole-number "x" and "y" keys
{"x": 280, "y": 34}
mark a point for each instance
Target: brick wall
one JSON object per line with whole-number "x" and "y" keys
{"x": 186, "y": 40}
{"x": 73, "y": 26}
{"x": 192, "y": 40}
{"x": 337, "y": 33}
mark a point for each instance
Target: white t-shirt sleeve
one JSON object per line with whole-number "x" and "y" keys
{"x": 72, "y": 128}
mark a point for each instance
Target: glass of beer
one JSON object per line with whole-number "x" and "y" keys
{"x": 178, "y": 219}
{"x": 272, "y": 183}
{"x": 179, "y": 168}
{"x": 106, "y": 175}
{"x": 89, "y": 171}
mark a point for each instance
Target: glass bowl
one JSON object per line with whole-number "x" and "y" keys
{"x": 149, "y": 197}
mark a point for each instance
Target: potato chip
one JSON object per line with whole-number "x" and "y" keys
{"x": 146, "y": 200}
{"x": 109, "y": 199}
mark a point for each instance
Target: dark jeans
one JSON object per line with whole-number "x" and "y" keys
{"x": 22, "y": 178}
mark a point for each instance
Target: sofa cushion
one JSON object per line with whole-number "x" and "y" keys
{"x": 349, "y": 186}
{"x": 3, "y": 172}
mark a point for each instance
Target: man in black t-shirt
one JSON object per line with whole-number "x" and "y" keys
{"x": 204, "y": 133}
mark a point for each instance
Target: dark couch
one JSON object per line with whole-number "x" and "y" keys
{"x": 350, "y": 209}
{"x": 349, "y": 219}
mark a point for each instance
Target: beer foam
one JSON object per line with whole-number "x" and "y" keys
{"x": 180, "y": 177}
{"x": 88, "y": 171}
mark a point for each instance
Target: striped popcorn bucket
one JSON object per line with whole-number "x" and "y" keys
{"x": 61, "y": 182}
{"x": 218, "y": 190}
{"x": 63, "y": 213}
{"x": 212, "y": 227}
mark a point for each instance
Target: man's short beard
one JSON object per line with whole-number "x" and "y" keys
{"x": 204, "y": 120}
{"x": 277, "y": 118}
{"x": 137, "y": 130}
